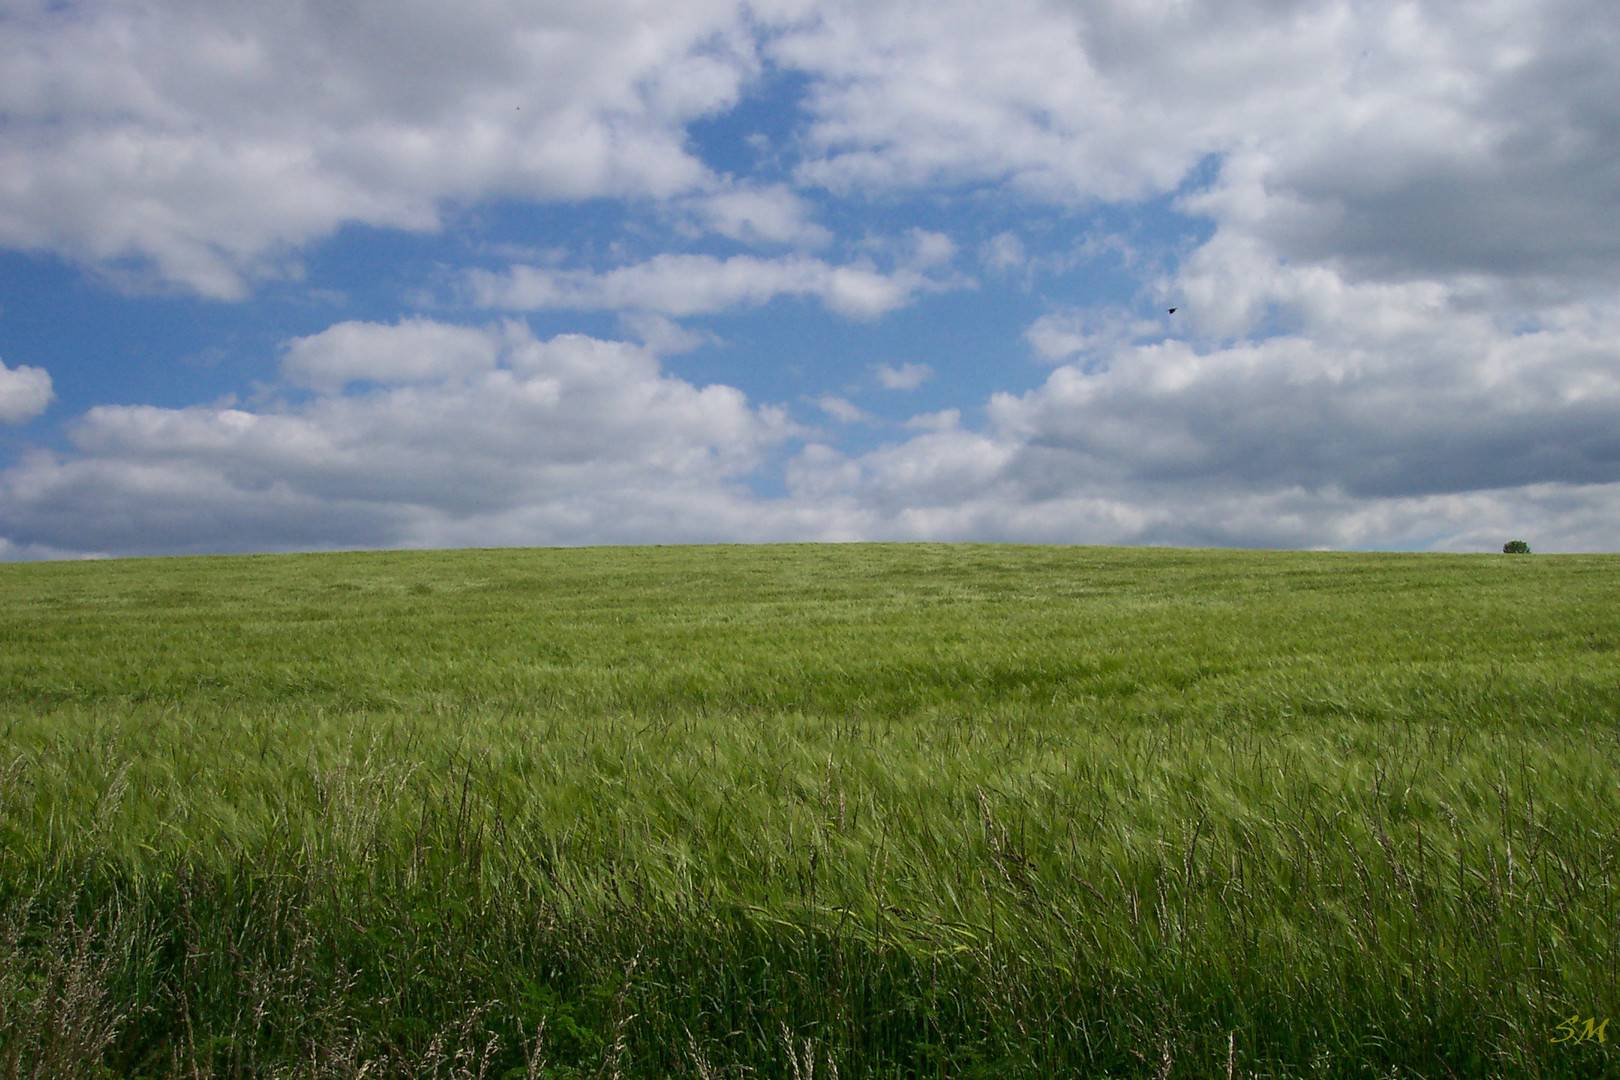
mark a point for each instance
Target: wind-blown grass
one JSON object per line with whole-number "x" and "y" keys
{"x": 903, "y": 810}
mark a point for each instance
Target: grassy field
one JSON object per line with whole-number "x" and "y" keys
{"x": 810, "y": 811}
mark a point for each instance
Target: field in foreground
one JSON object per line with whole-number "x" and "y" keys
{"x": 878, "y": 811}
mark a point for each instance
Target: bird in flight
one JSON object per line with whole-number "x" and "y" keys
{"x": 1172, "y": 311}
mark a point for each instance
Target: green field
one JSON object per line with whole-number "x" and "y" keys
{"x": 865, "y": 810}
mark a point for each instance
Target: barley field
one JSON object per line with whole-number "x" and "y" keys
{"x": 810, "y": 812}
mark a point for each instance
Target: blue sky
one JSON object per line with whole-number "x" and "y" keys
{"x": 330, "y": 275}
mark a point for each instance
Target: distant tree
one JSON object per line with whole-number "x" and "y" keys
{"x": 1515, "y": 547}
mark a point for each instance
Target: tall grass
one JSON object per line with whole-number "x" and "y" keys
{"x": 864, "y": 811}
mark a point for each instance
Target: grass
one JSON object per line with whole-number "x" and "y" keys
{"x": 864, "y": 811}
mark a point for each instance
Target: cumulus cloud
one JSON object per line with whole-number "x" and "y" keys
{"x": 1394, "y": 415}
{"x": 943, "y": 420}
{"x": 413, "y": 350}
{"x": 1399, "y": 333}
{"x": 1002, "y": 252}
{"x": 200, "y": 145}
{"x": 1395, "y": 328}
{"x": 564, "y": 440}
{"x": 1086, "y": 332}
{"x": 1401, "y": 139}
{"x": 1068, "y": 101}
{"x": 770, "y": 215}
{"x": 842, "y": 409}
{"x": 24, "y": 393}
{"x": 902, "y": 376}
{"x": 928, "y": 248}
{"x": 1295, "y": 412}
{"x": 1479, "y": 140}
{"x": 664, "y": 335}
{"x": 682, "y": 285}
{"x": 961, "y": 486}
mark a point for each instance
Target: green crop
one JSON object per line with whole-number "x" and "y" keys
{"x": 795, "y": 811}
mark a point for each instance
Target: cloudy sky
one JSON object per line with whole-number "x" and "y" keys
{"x": 326, "y": 274}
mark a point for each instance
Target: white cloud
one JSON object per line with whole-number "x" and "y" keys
{"x": 201, "y": 144}
{"x": 842, "y": 409}
{"x": 943, "y": 420}
{"x": 1394, "y": 415}
{"x": 663, "y": 335}
{"x": 930, "y": 248}
{"x": 1366, "y": 428}
{"x": 1066, "y": 101}
{"x": 960, "y": 486}
{"x": 683, "y": 285}
{"x": 1002, "y": 252}
{"x": 560, "y": 441}
{"x": 1401, "y": 331}
{"x": 1088, "y": 334}
{"x": 1472, "y": 140}
{"x": 1403, "y": 138}
{"x": 1381, "y": 389}
{"x": 903, "y": 376}
{"x": 773, "y": 215}
{"x": 24, "y": 393}
{"x": 413, "y": 350}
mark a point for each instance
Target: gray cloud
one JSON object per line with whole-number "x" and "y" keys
{"x": 1384, "y": 390}
{"x": 1475, "y": 140}
{"x": 1401, "y": 140}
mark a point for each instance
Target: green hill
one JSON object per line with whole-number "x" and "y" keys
{"x": 889, "y": 810}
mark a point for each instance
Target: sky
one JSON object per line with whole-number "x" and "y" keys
{"x": 336, "y": 274}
